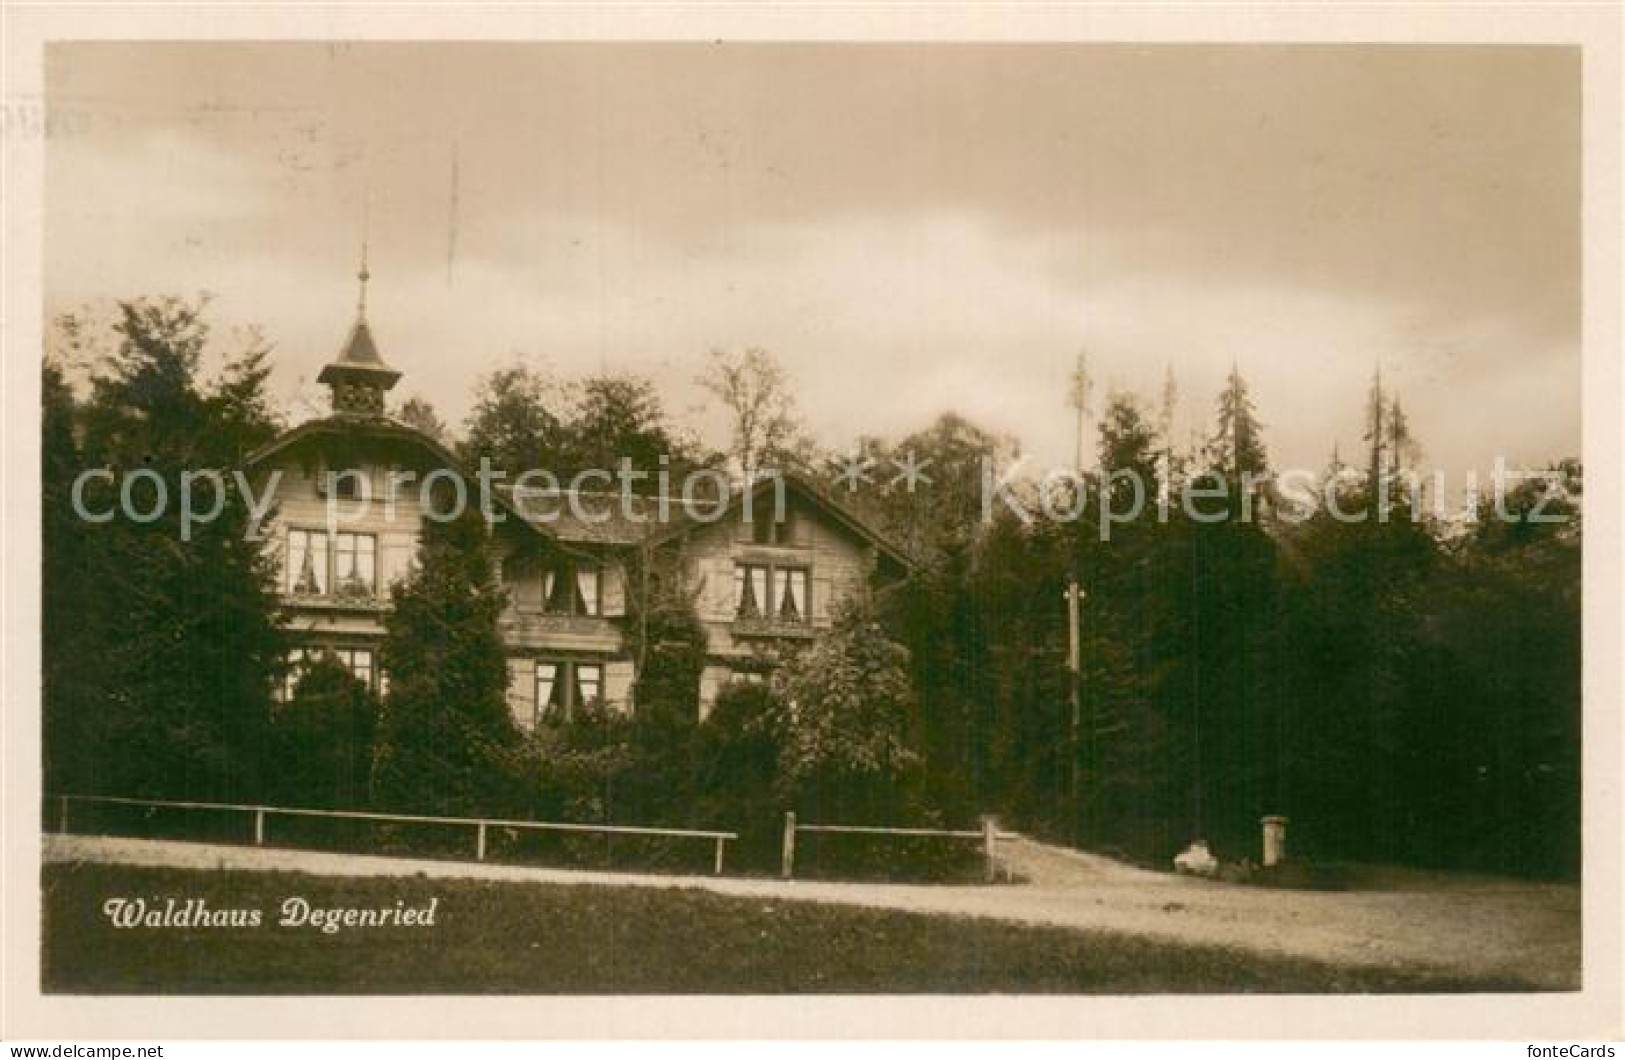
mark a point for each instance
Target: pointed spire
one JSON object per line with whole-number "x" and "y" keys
{"x": 358, "y": 376}
{"x": 363, "y": 276}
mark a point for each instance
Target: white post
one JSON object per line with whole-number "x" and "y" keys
{"x": 479, "y": 842}
{"x": 720, "y": 842}
{"x": 990, "y": 839}
{"x": 789, "y": 859}
{"x": 259, "y": 828}
{"x": 1274, "y": 840}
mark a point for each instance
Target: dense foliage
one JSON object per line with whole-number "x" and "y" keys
{"x": 160, "y": 641}
{"x": 322, "y": 740}
{"x": 446, "y": 739}
{"x": 1402, "y": 687}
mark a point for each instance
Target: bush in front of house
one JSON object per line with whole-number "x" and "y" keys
{"x": 321, "y": 740}
{"x": 446, "y": 740}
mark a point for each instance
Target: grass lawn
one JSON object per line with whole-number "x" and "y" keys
{"x": 510, "y": 938}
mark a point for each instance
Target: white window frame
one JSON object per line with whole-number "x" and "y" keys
{"x": 565, "y": 675}
{"x": 769, "y": 598}
{"x": 302, "y": 542}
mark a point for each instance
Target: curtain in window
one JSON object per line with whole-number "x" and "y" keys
{"x": 547, "y": 689}
{"x": 298, "y": 560}
{"x": 318, "y": 551}
{"x": 559, "y": 594}
{"x": 587, "y": 586}
{"x": 759, "y": 586}
{"x": 366, "y": 561}
{"x": 793, "y": 607}
{"x": 307, "y": 562}
{"x": 752, "y": 586}
{"x": 344, "y": 561}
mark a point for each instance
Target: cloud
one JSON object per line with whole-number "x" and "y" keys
{"x": 910, "y": 229}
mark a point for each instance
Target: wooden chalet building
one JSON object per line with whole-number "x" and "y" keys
{"x": 758, "y": 584}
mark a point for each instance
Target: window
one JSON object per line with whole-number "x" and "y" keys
{"x": 768, "y": 592}
{"x": 766, "y": 530}
{"x": 561, "y": 687}
{"x": 751, "y": 584}
{"x": 345, "y": 482}
{"x": 570, "y": 588}
{"x": 344, "y": 565}
{"x": 354, "y": 564}
{"x": 357, "y": 660}
{"x": 793, "y": 598}
{"x": 307, "y": 562}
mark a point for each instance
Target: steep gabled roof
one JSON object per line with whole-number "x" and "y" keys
{"x": 388, "y": 427}
{"x": 595, "y": 518}
{"x": 603, "y": 518}
{"x": 810, "y": 490}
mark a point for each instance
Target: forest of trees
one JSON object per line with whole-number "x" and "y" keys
{"x": 1404, "y": 689}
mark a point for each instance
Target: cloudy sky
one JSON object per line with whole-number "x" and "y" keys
{"x": 909, "y": 228}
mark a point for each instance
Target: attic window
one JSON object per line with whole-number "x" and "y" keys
{"x": 344, "y": 481}
{"x": 767, "y": 530}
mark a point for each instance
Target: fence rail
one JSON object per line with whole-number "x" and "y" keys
{"x": 989, "y": 835}
{"x": 480, "y": 824}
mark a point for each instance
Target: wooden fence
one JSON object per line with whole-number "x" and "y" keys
{"x": 480, "y": 825}
{"x": 988, "y": 835}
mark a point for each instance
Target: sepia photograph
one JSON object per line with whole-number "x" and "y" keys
{"x": 818, "y": 518}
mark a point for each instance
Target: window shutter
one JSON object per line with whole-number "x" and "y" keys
{"x": 587, "y": 588}
{"x": 521, "y": 696}
{"x": 614, "y": 590}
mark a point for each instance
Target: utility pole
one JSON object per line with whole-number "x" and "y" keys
{"x": 1082, "y": 384}
{"x": 1074, "y": 670}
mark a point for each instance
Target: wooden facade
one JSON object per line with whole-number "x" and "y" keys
{"x": 348, "y": 511}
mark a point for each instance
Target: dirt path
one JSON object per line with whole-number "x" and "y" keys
{"x": 1469, "y": 926}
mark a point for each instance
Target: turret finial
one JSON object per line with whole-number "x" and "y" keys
{"x": 363, "y": 276}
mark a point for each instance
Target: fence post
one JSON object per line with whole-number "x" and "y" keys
{"x": 789, "y": 860}
{"x": 62, "y": 816}
{"x": 990, "y": 839}
{"x": 479, "y": 842}
{"x": 721, "y": 842}
{"x": 259, "y": 827}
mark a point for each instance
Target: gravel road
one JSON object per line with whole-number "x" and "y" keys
{"x": 1470, "y": 925}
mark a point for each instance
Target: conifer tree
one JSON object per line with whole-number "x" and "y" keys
{"x": 177, "y": 621}
{"x": 1238, "y": 445}
{"x": 445, "y": 745}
